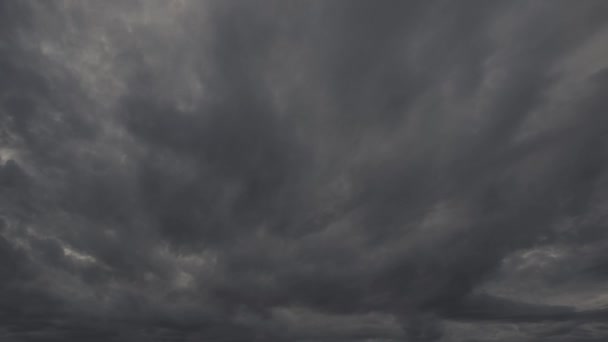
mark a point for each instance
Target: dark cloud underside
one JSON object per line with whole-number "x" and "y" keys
{"x": 303, "y": 171}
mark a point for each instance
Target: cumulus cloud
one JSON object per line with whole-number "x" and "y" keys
{"x": 303, "y": 171}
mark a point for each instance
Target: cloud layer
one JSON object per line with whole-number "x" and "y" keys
{"x": 303, "y": 171}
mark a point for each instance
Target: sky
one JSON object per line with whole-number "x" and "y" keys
{"x": 307, "y": 171}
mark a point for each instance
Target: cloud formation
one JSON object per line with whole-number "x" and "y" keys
{"x": 303, "y": 171}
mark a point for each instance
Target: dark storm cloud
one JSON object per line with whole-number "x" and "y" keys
{"x": 287, "y": 171}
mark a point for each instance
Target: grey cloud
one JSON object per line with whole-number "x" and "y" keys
{"x": 286, "y": 171}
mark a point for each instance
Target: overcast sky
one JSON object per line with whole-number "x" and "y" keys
{"x": 310, "y": 171}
